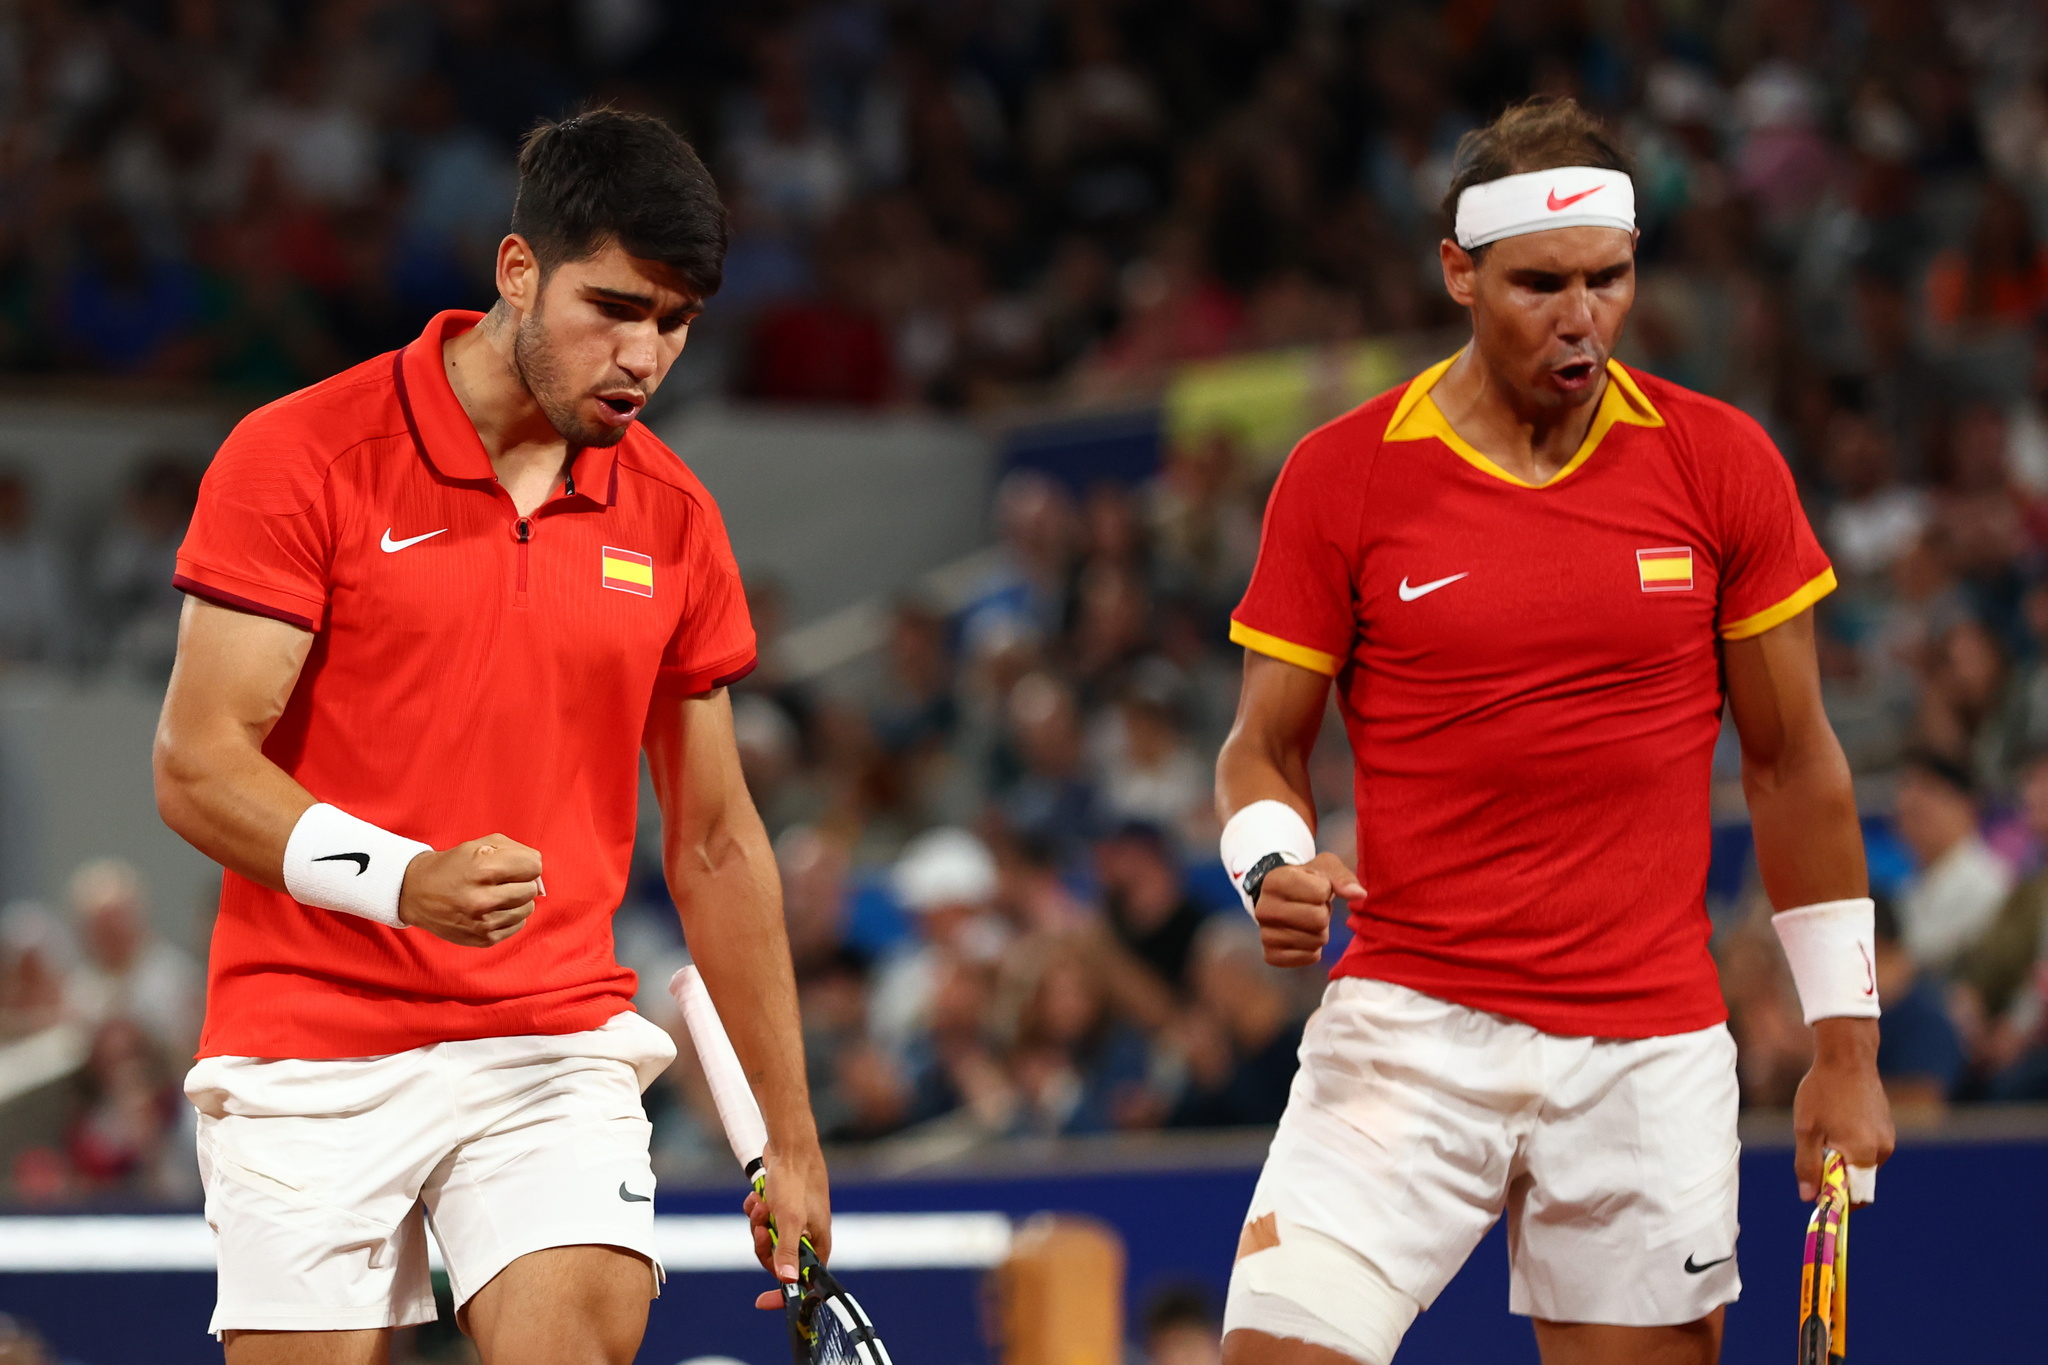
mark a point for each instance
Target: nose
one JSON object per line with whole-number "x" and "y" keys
{"x": 639, "y": 355}
{"x": 1575, "y": 317}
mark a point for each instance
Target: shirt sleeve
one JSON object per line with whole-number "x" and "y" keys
{"x": 262, "y": 533}
{"x": 1299, "y": 607}
{"x": 713, "y": 644}
{"x": 1772, "y": 566}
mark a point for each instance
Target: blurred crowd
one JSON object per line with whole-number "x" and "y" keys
{"x": 996, "y": 837}
{"x": 99, "y": 1017}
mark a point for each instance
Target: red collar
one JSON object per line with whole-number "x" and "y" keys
{"x": 447, "y": 439}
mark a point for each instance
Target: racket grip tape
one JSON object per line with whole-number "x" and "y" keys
{"x": 738, "y": 1111}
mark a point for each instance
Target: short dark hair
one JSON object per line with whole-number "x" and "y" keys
{"x": 605, "y": 176}
{"x": 1539, "y": 134}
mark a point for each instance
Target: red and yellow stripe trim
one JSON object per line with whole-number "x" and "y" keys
{"x": 1286, "y": 651}
{"x": 1811, "y": 592}
{"x": 1417, "y": 418}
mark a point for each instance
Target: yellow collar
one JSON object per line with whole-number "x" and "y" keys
{"x": 1417, "y": 418}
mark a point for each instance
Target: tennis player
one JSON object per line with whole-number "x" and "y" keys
{"x": 438, "y": 607}
{"x": 1536, "y": 578}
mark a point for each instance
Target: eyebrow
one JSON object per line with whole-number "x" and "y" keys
{"x": 689, "y": 306}
{"x": 1531, "y": 272}
{"x": 620, "y": 295}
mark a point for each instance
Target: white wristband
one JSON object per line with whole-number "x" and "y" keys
{"x": 1261, "y": 829}
{"x": 337, "y": 862}
{"x": 1832, "y": 948}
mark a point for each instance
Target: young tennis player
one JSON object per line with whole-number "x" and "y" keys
{"x": 1536, "y": 578}
{"x": 439, "y": 605}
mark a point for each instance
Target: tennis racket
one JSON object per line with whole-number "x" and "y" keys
{"x": 826, "y": 1324}
{"x": 1824, "y": 1278}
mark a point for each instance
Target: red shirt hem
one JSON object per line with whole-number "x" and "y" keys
{"x": 1659, "y": 1015}
{"x": 329, "y": 1026}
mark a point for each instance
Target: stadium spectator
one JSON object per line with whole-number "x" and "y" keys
{"x": 1993, "y": 978}
{"x": 36, "y": 958}
{"x": 1955, "y": 895}
{"x": 948, "y": 880}
{"x": 132, "y": 566}
{"x": 1920, "y": 1055}
{"x": 1246, "y": 1032}
{"x": 126, "y": 972}
{"x": 35, "y": 609}
{"x": 1147, "y": 905}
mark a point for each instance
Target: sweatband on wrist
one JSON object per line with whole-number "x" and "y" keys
{"x": 1832, "y": 949}
{"x": 337, "y": 862}
{"x": 1261, "y": 829}
{"x": 1535, "y": 201}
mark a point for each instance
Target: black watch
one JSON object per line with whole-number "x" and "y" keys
{"x": 1256, "y": 877}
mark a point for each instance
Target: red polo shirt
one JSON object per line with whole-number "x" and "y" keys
{"x": 1531, "y": 680}
{"x": 472, "y": 672}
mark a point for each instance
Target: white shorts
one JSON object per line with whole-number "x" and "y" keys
{"x": 317, "y": 1172}
{"x": 1414, "y": 1122}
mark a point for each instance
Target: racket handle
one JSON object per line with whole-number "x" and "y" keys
{"x": 737, "y": 1109}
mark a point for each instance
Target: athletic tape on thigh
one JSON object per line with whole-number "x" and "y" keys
{"x": 1328, "y": 1281}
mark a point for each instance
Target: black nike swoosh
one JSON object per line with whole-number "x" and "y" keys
{"x": 632, "y": 1198}
{"x": 361, "y": 860}
{"x": 1692, "y": 1269}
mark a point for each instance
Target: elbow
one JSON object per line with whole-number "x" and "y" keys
{"x": 177, "y": 774}
{"x": 1818, "y": 775}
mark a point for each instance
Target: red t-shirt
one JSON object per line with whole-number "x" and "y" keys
{"x": 464, "y": 680}
{"x": 1530, "y": 679}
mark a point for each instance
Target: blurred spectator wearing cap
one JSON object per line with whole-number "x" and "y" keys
{"x": 1955, "y": 895}
{"x": 1920, "y": 1057}
{"x": 947, "y": 879}
{"x": 126, "y": 971}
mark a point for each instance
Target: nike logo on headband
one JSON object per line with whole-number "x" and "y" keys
{"x": 1555, "y": 204}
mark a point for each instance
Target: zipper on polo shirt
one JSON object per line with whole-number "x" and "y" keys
{"x": 523, "y": 528}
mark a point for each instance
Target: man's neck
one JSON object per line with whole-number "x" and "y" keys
{"x": 527, "y": 453}
{"x": 1534, "y": 445}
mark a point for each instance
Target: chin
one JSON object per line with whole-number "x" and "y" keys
{"x": 581, "y": 433}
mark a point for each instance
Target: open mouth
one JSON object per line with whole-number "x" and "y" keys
{"x": 1575, "y": 374}
{"x": 619, "y": 409}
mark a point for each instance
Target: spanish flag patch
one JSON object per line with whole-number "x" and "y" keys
{"x": 628, "y": 572}
{"x": 1666, "y": 570}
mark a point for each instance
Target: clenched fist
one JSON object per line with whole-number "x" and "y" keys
{"x": 474, "y": 894}
{"x": 1293, "y": 909}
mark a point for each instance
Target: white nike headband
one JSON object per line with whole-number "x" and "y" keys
{"x": 1570, "y": 196}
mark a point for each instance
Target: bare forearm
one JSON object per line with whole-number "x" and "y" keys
{"x": 1249, "y": 770}
{"x": 214, "y": 785}
{"x": 726, "y": 889}
{"x": 229, "y": 801}
{"x": 1802, "y": 808}
{"x": 1266, "y": 756}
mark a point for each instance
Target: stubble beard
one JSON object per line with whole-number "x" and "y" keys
{"x": 533, "y": 359}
